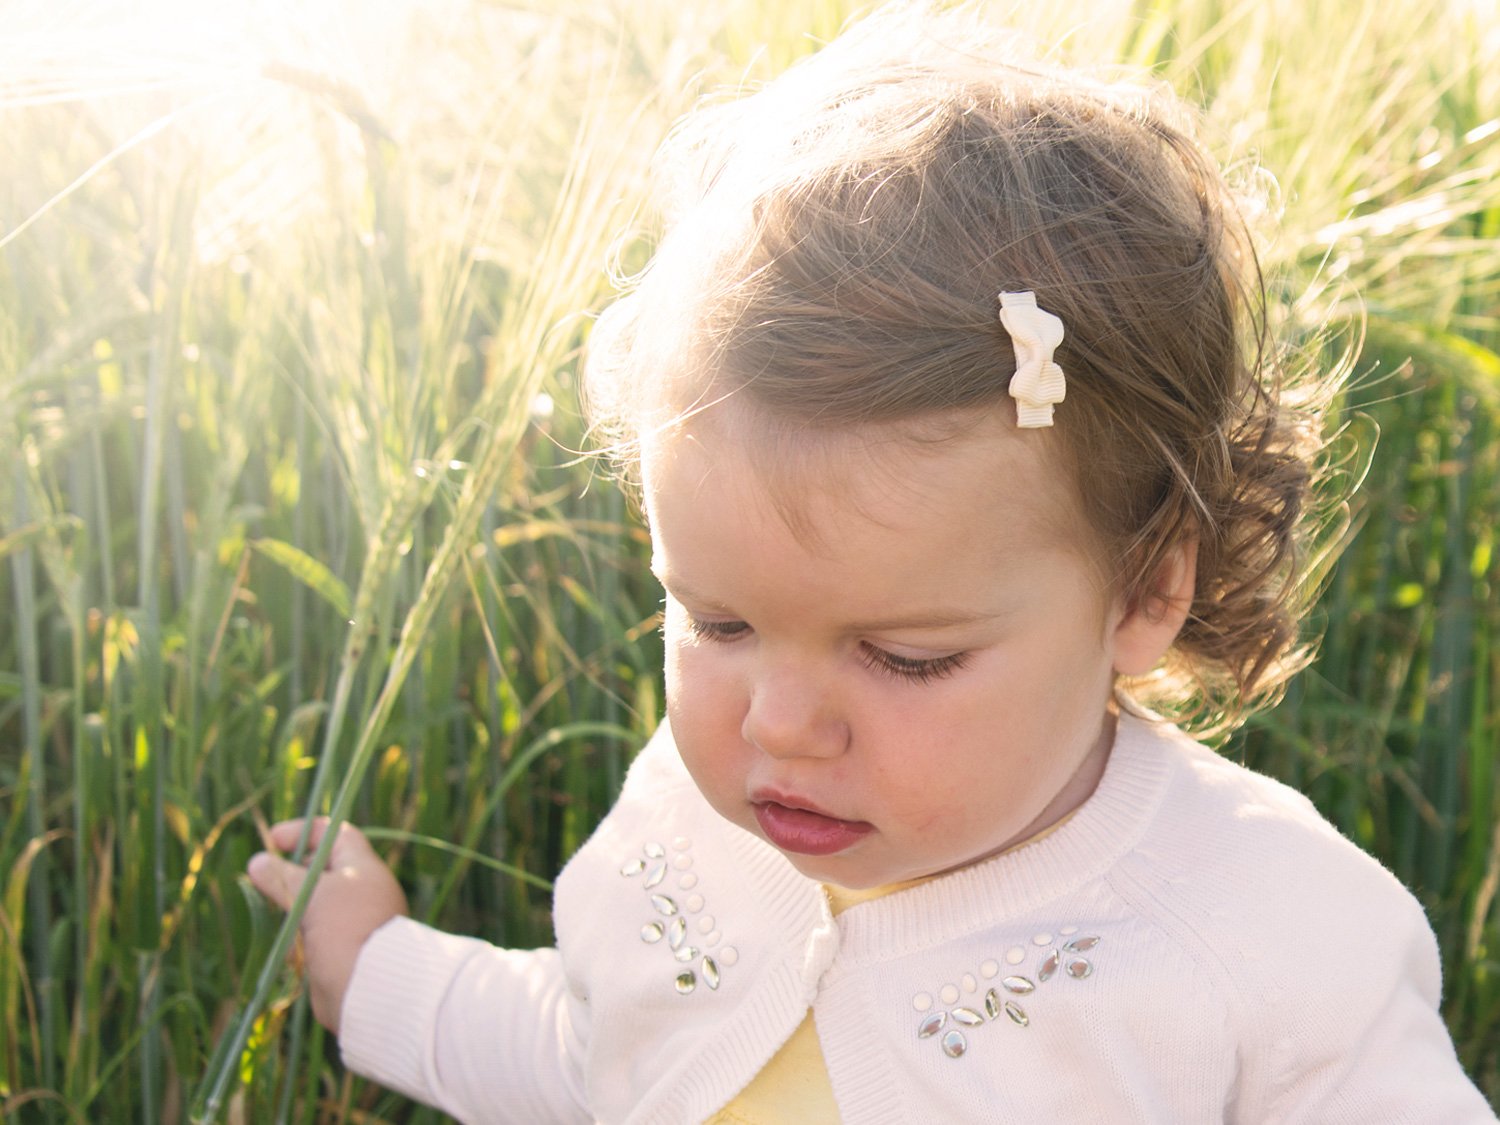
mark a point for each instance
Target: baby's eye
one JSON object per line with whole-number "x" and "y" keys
{"x": 910, "y": 668}
{"x": 716, "y": 630}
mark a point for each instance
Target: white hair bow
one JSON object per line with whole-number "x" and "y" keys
{"x": 1038, "y": 383}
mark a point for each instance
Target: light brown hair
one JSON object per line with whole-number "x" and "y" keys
{"x": 835, "y": 248}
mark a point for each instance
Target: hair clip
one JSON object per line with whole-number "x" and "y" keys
{"x": 1038, "y": 383}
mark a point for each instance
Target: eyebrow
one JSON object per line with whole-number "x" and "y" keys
{"x": 936, "y": 618}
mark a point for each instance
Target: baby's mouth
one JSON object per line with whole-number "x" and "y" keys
{"x": 794, "y": 827}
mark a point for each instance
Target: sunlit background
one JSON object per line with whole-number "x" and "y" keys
{"x": 291, "y": 299}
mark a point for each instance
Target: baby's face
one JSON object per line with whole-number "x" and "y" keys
{"x": 917, "y": 684}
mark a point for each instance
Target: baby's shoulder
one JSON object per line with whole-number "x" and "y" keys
{"x": 1245, "y": 870}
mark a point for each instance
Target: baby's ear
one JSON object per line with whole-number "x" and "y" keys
{"x": 1155, "y": 617}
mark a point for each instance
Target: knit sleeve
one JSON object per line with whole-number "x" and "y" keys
{"x": 485, "y": 1034}
{"x": 1373, "y": 1046}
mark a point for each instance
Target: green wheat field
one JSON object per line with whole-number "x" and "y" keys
{"x": 292, "y": 513}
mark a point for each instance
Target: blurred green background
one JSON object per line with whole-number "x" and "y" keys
{"x": 291, "y": 301}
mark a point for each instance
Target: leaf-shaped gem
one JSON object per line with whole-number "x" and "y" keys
{"x": 932, "y": 1025}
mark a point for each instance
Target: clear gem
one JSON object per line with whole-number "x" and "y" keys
{"x": 651, "y": 932}
{"x": 664, "y": 905}
{"x": 1081, "y": 945}
{"x": 932, "y": 1025}
{"x": 657, "y": 873}
{"x": 992, "y": 1004}
{"x": 968, "y": 1017}
{"x": 687, "y": 953}
{"x": 1079, "y": 968}
{"x": 954, "y": 1044}
{"x": 1019, "y": 985}
{"x": 710, "y": 973}
{"x": 1049, "y": 966}
{"x": 634, "y": 867}
{"x": 654, "y": 850}
{"x": 1016, "y": 1013}
{"x": 677, "y": 932}
{"x": 686, "y": 982}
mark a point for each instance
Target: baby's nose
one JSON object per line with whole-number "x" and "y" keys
{"x": 791, "y": 716}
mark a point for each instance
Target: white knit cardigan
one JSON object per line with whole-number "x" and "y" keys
{"x": 1195, "y": 945}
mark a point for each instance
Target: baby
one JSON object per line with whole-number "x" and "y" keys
{"x": 967, "y": 464}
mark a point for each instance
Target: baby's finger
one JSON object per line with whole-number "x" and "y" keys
{"x": 276, "y": 878}
{"x": 285, "y": 833}
{"x": 351, "y": 848}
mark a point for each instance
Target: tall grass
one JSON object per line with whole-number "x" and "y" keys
{"x": 291, "y": 518}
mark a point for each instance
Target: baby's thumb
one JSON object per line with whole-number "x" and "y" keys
{"x": 276, "y": 878}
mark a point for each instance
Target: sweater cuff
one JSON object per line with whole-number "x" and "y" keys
{"x": 400, "y": 980}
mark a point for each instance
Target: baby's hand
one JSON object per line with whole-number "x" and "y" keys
{"x": 355, "y": 896}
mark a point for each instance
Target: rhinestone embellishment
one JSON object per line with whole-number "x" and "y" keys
{"x": 1063, "y": 958}
{"x": 691, "y": 964}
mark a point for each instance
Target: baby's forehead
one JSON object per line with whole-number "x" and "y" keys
{"x": 807, "y": 474}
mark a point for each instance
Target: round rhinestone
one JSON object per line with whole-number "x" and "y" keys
{"x": 954, "y": 1044}
{"x": 1079, "y": 968}
{"x": 686, "y": 982}
{"x": 651, "y": 933}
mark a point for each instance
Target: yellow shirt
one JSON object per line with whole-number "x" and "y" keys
{"x": 793, "y": 1086}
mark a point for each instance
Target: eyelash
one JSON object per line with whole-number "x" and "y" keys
{"x": 876, "y": 659}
